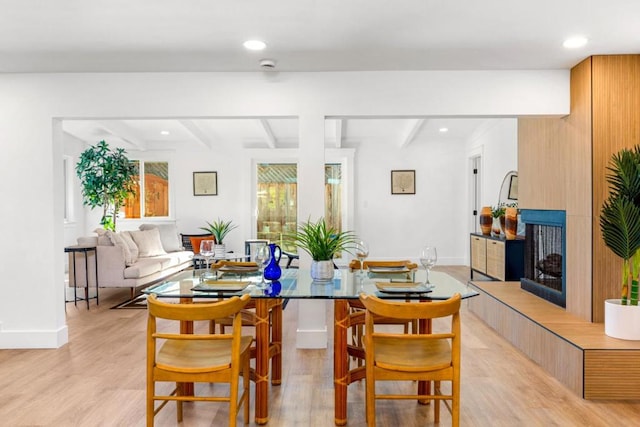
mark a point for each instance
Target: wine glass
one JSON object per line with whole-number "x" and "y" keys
{"x": 428, "y": 258}
{"x": 207, "y": 251}
{"x": 263, "y": 255}
{"x": 362, "y": 252}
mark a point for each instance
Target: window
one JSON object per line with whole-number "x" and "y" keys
{"x": 278, "y": 199}
{"x": 153, "y": 185}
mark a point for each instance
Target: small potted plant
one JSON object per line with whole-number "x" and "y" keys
{"x": 322, "y": 242}
{"x": 620, "y": 226}
{"x": 219, "y": 230}
{"x": 497, "y": 212}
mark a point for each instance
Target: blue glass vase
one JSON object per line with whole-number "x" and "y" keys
{"x": 273, "y": 270}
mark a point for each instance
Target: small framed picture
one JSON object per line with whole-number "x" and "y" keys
{"x": 205, "y": 183}
{"x": 403, "y": 182}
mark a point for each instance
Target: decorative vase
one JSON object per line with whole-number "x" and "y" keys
{"x": 486, "y": 220}
{"x": 273, "y": 270}
{"x": 511, "y": 223}
{"x": 273, "y": 289}
{"x": 219, "y": 251}
{"x": 322, "y": 270}
{"x": 621, "y": 321}
{"x": 495, "y": 228}
{"x": 502, "y": 220}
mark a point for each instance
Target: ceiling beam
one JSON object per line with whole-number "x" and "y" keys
{"x": 124, "y": 132}
{"x": 266, "y": 128}
{"x": 412, "y": 129}
{"x": 340, "y": 123}
{"x": 200, "y": 136}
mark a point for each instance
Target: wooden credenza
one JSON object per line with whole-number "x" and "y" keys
{"x": 497, "y": 258}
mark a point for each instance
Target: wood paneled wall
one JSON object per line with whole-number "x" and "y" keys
{"x": 562, "y": 165}
{"x": 554, "y": 168}
{"x": 616, "y": 125}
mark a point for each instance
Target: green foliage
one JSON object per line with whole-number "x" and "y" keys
{"x": 320, "y": 241}
{"x": 108, "y": 178}
{"x": 620, "y": 217}
{"x": 219, "y": 229}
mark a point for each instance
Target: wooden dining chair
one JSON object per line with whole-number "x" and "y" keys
{"x": 356, "y": 309}
{"x": 189, "y": 358}
{"x": 422, "y": 357}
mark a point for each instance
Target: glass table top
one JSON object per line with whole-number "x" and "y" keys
{"x": 297, "y": 284}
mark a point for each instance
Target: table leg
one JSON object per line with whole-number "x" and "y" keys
{"x": 96, "y": 258}
{"x": 86, "y": 272}
{"x": 424, "y": 387}
{"x": 340, "y": 361}
{"x": 262, "y": 361}
{"x": 276, "y": 341}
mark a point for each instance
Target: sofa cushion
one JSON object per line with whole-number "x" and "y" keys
{"x": 143, "y": 268}
{"x": 117, "y": 240}
{"x": 168, "y": 236}
{"x": 133, "y": 248}
{"x": 148, "y": 242}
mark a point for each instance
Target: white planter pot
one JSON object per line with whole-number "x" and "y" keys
{"x": 219, "y": 251}
{"x": 621, "y": 321}
{"x": 322, "y": 270}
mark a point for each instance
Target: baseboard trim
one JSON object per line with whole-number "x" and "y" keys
{"x": 34, "y": 339}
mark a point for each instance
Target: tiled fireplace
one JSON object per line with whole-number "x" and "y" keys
{"x": 545, "y": 257}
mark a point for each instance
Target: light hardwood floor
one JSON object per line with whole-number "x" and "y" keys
{"x": 98, "y": 379}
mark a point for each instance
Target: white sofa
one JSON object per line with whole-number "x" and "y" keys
{"x": 131, "y": 259}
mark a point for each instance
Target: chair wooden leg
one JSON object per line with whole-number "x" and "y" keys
{"x": 436, "y": 402}
{"x": 150, "y": 403}
{"x": 179, "y": 392}
{"x": 455, "y": 404}
{"x": 370, "y": 387}
{"x": 247, "y": 392}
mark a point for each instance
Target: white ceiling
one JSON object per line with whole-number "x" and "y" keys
{"x": 309, "y": 35}
{"x": 302, "y": 35}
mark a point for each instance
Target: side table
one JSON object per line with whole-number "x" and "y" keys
{"x": 85, "y": 250}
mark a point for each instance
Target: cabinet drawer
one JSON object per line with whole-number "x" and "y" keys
{"x": 495, "y": 259}
{"x": 479, "y": 254}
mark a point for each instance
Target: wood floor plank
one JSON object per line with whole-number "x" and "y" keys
{"x": 98, "y": 379}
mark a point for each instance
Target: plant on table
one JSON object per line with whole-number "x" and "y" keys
{"x": 620, "y": 218}
{"x": 108, "y": 178}
{"x": 321, "y": 241}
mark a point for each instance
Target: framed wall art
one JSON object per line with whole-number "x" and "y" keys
{"x": 205, "y": 183}
{"x": 403, "y": 182}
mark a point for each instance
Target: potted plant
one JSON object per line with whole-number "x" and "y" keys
{"x": 497, "y": 212}
{"x": 219, "y": 230}
{"x": 322, "y": 243}
{"x": 108, "y": 177}
{"x": 620, "y": 226}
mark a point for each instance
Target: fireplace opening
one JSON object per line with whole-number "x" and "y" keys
{"x": 544, "y": 263}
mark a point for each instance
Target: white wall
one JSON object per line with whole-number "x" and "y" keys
{"x": 31, "y": 137}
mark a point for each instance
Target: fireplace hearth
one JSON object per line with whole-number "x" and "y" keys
{"x": 544, "y": 263}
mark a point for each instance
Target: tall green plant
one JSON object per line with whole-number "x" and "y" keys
{"x": 108, "y": 178}
{"x": 620, "y": 218}
{"x": 219, "y": 229}
{"x": 320, "y": 241}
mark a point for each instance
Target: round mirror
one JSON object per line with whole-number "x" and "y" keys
{"x": 509, "y": 189}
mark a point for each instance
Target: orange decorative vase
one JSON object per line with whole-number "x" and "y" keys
{"x": 486, "y": 220}
{"x": 511, "y": 223}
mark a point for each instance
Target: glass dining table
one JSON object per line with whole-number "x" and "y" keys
{"x": 346, "y": 286}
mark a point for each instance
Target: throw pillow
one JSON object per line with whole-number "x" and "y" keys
{"x": 195, "y": 242}
{"x": 168, "y": 236}
{"x": 117, "y": 240}
{"x": 148, "y": 242}
{"x": 126, "y": 236}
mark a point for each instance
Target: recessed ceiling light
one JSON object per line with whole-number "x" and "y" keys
{"x": 575, "y": 42}
{"x": 254, "y": 44}
{"x": 443, "y": 130}
{"x": 164, "y": 132}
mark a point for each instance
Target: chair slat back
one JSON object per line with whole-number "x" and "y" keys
{"x": 204, "y": 311}
{"x": 404, "y": 310}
